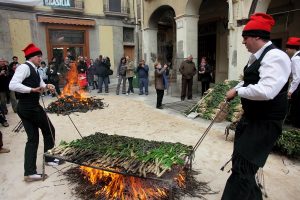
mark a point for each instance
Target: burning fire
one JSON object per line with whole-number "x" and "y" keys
{"x": 72, "y": 87}
{"x": 117, "y": 186}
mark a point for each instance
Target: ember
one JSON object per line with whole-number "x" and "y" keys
{"x": 73, "y": 97}
{"x": 92, "y": 184}
{"x": 125, "y": 168}
{"x": 117, "y": 186}
{"x": 68, "y": 104}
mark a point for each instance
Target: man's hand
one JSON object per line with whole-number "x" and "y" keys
{"x": 289, "y": 95}
{"x": 51, "y": 88}
{"x": 37, "y": 89}
{"x": 231, "y": 94}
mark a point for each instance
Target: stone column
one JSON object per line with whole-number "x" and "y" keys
{"x": 186, "y": 43}
{"x": 187, "y": 36}
{"x": 150, "y": 46}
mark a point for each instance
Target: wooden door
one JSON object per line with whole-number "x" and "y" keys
{"x": 129, "y": 51}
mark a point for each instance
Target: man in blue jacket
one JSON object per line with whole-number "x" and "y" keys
{"x": 143, "y": 74}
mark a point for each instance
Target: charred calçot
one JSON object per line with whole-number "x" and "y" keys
{"x": 68, "y": 104}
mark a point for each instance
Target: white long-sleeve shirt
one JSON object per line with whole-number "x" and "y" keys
{"x": 295, "y": 72}
{"x": 22, "y": 72}
{"x": 274, "y": 72}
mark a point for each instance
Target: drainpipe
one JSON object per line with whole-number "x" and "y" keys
{"x": 136, "y": 29}
{"x": 142, "y": 26}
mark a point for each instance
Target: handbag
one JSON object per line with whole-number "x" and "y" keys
{"x": 110, "y": 72}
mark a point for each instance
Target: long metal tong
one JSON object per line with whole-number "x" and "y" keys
{"x": 207, "y": 130}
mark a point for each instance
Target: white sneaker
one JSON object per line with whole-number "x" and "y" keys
{"x": 35, "y": 177}
{"x": 53, "y": 164}
{"x": 131, "y": 93}
{"x": 127, "y": 94}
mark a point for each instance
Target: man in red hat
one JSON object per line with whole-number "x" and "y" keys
{"x": 28, "y": 85}
{"x": 292, "y": 49}
{"x": 263, "y": 95}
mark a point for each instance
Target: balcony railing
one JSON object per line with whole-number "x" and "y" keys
{"x": 116, "y": 8}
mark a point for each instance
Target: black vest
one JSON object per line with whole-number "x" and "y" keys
{"x": 274, "y": 109}
{"x": 33, "y": 81}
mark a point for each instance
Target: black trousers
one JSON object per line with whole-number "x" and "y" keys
{"x": 33, "y": 118}
{"x": 187, "y": 84}
{"x": 205, "y": 86}
{"x": 241, "y": 185}
{"x": 1, "y": 141}
{"x": 295, "y": 108}
{"x": 160, "y": 96}
{"x": 130, "y": 85}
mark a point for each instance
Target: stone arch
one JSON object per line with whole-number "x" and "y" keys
{"x": 192, "y": 7}
{"x": 165, "y": 13}
{"x": 163, "y": 21}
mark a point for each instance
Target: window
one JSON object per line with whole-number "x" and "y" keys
{"x": 114, "y": 5}
{"x": 66, "y": 37}
{"x": 128, "y": 35}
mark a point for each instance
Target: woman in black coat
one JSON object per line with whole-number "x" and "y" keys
{"x": 204, "y": 75}
{"x": 53, "y": 77}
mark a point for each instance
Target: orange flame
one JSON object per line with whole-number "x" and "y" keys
{"x": 72, "y": 87}
{"x": 117, "y": 186}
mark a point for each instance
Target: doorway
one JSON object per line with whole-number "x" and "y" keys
{"x": 62, "y": 51}
{"x": 207, "y": 40}
{"x": 129, "y": 51}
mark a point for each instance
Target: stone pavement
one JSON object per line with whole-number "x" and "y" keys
{"x": 171, "y": 103}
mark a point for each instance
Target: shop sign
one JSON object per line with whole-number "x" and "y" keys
{"x": 59, "y": 3}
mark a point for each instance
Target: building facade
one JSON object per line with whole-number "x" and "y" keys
{"x": 172, "y": 29}
{"x": 77, "y": 27}
{"x": 143, "y": 29}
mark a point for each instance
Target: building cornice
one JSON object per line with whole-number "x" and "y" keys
{"x": 186, "y": 15}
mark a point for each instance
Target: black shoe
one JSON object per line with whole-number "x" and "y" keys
{"x": 159, "y": 107}
{"x": 141, "y": 93}
{"x": 5, "y": 124}
{"x": 182, "y": 99}
{"x": 99, "y": 92}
